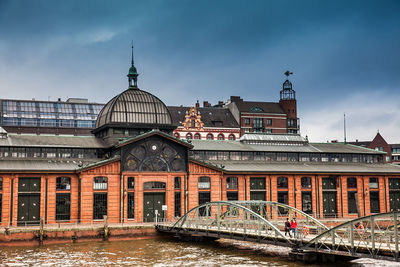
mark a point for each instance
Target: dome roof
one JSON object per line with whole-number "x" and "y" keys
{"x": 134, "y": 107}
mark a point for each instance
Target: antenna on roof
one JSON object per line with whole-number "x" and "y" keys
{"x": 344, "y": 127}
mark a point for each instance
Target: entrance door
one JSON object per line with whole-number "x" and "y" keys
{"x": 151, "y": 203}
{"x": 28, "y": 201}
{"x": 329, "y": 204}
{"x": 394, "y": 200}
{"x": 28, "y": 209}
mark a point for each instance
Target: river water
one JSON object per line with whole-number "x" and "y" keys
{"x": 154, "y": 252}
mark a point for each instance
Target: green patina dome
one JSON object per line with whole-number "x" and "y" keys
{"x": 132, "y": 70}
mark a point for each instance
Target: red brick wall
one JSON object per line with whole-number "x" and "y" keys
{"x": 289, "y": 107}
{"x": 117, "y": 204}
{"x": 278, "y": 122}
{"x": 111, "y": 171}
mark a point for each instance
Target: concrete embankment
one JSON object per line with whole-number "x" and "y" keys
{"x": 63, "y": 233}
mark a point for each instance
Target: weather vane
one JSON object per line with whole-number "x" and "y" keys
{"x": 287, "y": 73}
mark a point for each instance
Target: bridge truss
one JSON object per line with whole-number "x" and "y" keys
{"x": 375, "y": 236}
{"x": 259, "y": 221}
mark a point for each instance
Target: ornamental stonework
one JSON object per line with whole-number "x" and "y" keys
{"x": 193, "y": 120}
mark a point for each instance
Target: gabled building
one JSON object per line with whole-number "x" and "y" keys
{"x": 380, "y": 144}
{"x": 211, "y": 123}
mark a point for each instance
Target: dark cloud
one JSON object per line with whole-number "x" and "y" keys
{"x": 200, "y": 49}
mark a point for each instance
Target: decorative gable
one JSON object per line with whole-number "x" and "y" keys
{"x": 154, "y": 154}
{"x": 193, "y": 120}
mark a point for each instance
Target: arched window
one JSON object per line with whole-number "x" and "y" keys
{"x": 192, "y": 123}
{"x": 232, "y": 137}
{"x": 100, "y": 183}
{"x": 210, "y": 136}
{"x": 221, "y": 137}
{"x": 189, "y": 136}
{"x": 197, "y": 136}
{"x": 176, "y": 135}
{"x": 204, "y": 182}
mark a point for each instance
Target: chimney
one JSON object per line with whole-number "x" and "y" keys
{"x": 236, "y": 99}
{"x": 206, "y": 104}
{"x": 197, "y": 104}
{"x": 220, "y": 103}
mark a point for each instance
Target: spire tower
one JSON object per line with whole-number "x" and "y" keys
{"x": 132, "y": 74}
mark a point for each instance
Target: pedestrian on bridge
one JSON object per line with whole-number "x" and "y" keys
{"x": 287, "y": 227}
{"x": 293, "y": 226}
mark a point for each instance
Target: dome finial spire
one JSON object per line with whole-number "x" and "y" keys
{"x": 132, "y": 55}
{"x": 132, "y": 74}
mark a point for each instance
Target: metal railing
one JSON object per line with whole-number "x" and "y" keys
{"x": 375, "y": 236}
{"x": 260, "y": 219}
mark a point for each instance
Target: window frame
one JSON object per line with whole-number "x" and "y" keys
{"x": 97, "y": 185}
{"x": 60, "y": 183}
{"x": 351, "y": 183}
{"x": 202, "y": 184}
{"x": 305, "y": 185}
{"x": 230, "y": 184}
{"x": 281, "y": 184}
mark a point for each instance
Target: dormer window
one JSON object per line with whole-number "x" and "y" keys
{"x": 256, "y": 109}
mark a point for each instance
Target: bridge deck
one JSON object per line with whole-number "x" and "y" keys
{"x": 361, "y": 249}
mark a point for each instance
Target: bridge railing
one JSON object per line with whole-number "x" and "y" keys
{"x": 375, "y": 236}
{"x": 265, "y": 219}
{"x": 278, "y": 213}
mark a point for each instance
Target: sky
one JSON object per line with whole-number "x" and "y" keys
{"x": 345, "y": 55}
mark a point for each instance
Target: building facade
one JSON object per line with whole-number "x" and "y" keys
{"x": 210, "y": 123}
{"x": 267, "y": 117}
{"x": 379, "y": 143}
{"x": 132, "y": 167}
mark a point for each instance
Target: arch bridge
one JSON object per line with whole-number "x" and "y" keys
{"x": 375, "y": 236}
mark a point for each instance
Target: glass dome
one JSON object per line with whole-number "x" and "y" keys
{"x": 134, "y": 107}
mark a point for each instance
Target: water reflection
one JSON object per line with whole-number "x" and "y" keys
{"x": 154, "y": 252}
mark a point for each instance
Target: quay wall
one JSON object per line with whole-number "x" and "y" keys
{"x": 34, "y": 235}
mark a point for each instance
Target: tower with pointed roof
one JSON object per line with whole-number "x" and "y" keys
{"x": 289, "y": 105}
{"x": 132, "y": 74}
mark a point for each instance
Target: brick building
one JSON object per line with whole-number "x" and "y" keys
{"x": 379, "y": 143}
{"x": 211, "y": 123}
{"x": 267, "y": 117}
{"x": 132, "y": 165}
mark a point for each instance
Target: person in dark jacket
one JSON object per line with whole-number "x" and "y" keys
{"x": 287, "y": 227}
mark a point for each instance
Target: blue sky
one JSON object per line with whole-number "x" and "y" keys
{"x": 344, "y": 55}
